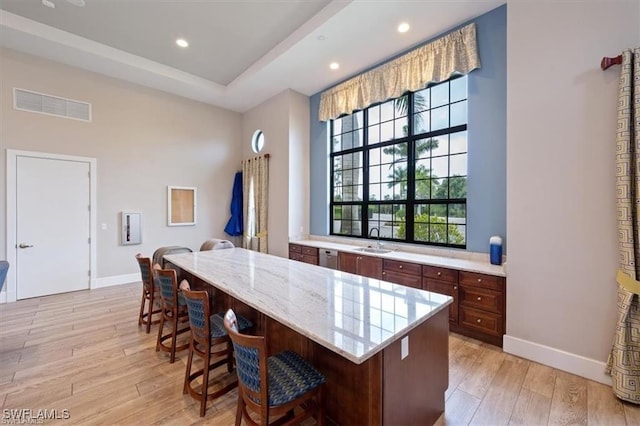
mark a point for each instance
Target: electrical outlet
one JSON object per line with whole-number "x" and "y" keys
{"x": 404, "y": 347}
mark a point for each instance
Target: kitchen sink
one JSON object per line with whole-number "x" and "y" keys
{"x": 372, "y": 250}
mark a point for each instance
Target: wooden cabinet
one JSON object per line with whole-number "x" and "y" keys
{"x": 448, "y": 288}
{"x": 479, "y": 300}
{"x": 304, "y": 254}
{"x": 482, "y": 307}
{"x": 367, "y": 266}
{"x": 443, "y": 281}
{"x": 404, "y": 273}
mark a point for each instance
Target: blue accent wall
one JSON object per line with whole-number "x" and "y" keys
{"x": 487, "y": 139}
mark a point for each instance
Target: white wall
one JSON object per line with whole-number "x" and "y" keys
{"x": 272, "y": 117}
{"x": 561, "y": 217}
{"x": 299, "y": 191}
{"x": 284, "y": 119}
{"x": 143, "y": 140}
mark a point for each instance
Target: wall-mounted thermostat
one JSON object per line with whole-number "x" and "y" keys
{"x": 131, "y": 224}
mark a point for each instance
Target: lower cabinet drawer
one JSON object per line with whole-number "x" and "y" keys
{"x": 303, "y": 258}
{"x": 311, "y": 251}
{"x": 295, "y": 247}
{"x": 443, "y": 287}
{"x": 486, "y": 322}
{"x": 308, "y": 259}
{"x": 481, "y": 298}
{"x": 409, "y": 280}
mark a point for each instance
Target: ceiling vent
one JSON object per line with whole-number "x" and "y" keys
{"x": 26, "y": 100}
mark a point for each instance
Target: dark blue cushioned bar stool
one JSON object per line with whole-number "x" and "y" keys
{"x": 4, "y": 268}
{"x": 150, "y": 294}
{"x": 207, "y": 335}
{"x": 174, "y": 313}
{"x": 291, "y": 381}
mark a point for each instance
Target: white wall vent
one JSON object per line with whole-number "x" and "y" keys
{"x": 26, "y": 100}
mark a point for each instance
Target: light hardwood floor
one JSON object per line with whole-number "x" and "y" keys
{"x": 84, "y": 352}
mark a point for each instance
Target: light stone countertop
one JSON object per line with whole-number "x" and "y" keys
{"x": 464, "y": 261}
{"x": 351, "y": 315}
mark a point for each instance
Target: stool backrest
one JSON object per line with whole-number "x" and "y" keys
{"x": 199, "y": 313}
{"x": 216, "y": 244}
{"x": 168, "y": 282}
{"x": 4, "y": 267}
{"x": 158, "y": 255}
{"x": 251, "y": 361}
{"x": 146, "y": 272}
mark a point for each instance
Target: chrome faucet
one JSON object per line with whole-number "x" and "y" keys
{"x": 375, "y": 228}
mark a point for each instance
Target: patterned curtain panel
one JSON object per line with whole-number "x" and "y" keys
{"x": 255, "y": 187}
{"x": 456, "y": 52}
{"x": 624, "y": 361}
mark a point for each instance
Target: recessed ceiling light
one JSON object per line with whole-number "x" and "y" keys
{"x": 182, "y": 42}
{"x": 321, "y": 37}
{"x": 48, "y": 3}
{"x": 403, "y": 27}
{"x": 334, "y": 65}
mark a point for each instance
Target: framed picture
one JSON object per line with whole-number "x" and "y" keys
{"x": 181, "y": 206}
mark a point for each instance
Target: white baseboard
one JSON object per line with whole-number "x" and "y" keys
{"x": 115, "y": 280}
{"x": 565, "y": 361}
{"x": 97, "y": 283}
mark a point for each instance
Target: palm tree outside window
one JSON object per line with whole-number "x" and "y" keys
{"x": 401, "y": 166}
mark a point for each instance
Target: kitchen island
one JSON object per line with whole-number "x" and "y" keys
{"x": 383, "y": 347}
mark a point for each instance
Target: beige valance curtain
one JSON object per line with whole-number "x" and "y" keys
{"x": 255, "y": 187}
{"x": 457, "y": 52}
{"x": 624, "y": 360}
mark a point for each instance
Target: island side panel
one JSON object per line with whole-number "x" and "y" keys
{"x": 354, "y": 391}
{"x": 414, "y": 387}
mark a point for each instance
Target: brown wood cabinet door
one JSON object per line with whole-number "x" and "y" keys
{"x": 444, "y": 287}
{"x": 348, "y": 262}
{"x": 409, "y": 280}
{"x": 367, "y": 266}
{"x": 295, "y": 256}
{"x": 308, "y": 259}
{"x": 370, "y": 267}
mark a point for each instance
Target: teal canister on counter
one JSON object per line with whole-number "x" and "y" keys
{"x": 495, "y": 250}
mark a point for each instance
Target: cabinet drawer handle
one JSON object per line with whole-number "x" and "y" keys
{"x": 479, "y": 298}
{"x": 439, "y": 273}
{"x": 384, "y": 273}
{"x": 479, "y": 280}
{"x": 478, "y": 320}
{"x": 455, "y": 287}
{"x": 400, "y": 266}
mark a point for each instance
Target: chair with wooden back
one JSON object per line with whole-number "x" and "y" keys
{"x": 174, "y": 313}
{"x": 150, "y": 294}
{"x": 275, "y": 385}
{"x": 207, "y": 335}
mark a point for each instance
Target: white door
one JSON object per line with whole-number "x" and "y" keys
{"x": 52, "y": 226}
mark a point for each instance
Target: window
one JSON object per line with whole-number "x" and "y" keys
{"x": 401, "y": 167}
{"x": 257, "y": 141}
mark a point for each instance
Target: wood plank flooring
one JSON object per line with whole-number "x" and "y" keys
{"x": 85, "y": 353}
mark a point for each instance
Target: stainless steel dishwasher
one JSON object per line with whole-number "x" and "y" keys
{"x": 328, "y": 258}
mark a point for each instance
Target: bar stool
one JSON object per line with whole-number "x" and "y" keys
{"x": 174, "y": 311}
{"x": 150, "y": 294}
{"x": 207, "y": 331}
{"x": 276, "y": 385}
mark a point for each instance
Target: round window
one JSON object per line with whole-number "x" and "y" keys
{"x": 257, "y": 142}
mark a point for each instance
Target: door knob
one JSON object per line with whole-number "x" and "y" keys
{"x": 23, "y": 245}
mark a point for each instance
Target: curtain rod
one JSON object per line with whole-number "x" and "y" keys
{"x": 264, "y": 155}
{"x": 608, "y": 62}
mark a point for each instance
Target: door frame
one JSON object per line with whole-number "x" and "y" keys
{"x": 12, "y": 216}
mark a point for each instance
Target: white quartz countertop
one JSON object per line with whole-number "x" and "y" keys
{"x": 351, "y": 315}
{"x": 471, "y": 265}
